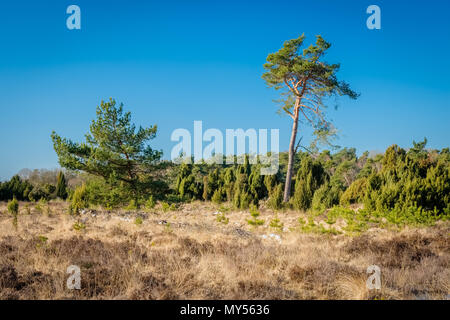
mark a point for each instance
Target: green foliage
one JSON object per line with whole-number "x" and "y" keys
{"x": 360, "y": 220}
{"x": 79, "y": 226}
{"x": 326, "y": 196}
{"x": 13, "y": 209}
{"x": 13, "y": 206}
{"x": 133, "y": 205}
{"x": 15, "y": 188}
{"x": 240, "y": 184}
{"x": 217, "y": 196}
{"x": 222, "y": 218}
{"x": 410, "y": 179}
{"x": 276, "y": 224}
{"x": 138, "y": 221}
{"x": 254, "y": 221}
{"x": 187, "y": 186}
{"x": 310, "y": 226}
{"x": 224, "y": 209}
{"x": 355, "y": 193}
{"x": 245, "y": 200}
{"x": 61, "y": 186}
{"x": 270, "y": 182}
{"x": 397, "y": 181}
{"x": 79, "y": 200}
{"x": 275, "y": 201}
{"x": 289, "y": 66}
{"x": 165, "y": 206}
{"x": 38, "y": 193}
{"x": 310, "y": 177}
{"x": 150, "y": 203}
{"x": 110, "y": 194}
{"x": 40, "y": 205}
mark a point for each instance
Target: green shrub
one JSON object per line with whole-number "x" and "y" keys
{"x": 276, "y": 224}
{"x": 79, "y": 200}
{"x": 254, "y": 221}
{"x": 13, "y": 209}
{"x": 326, "y": 197}
{"x": 217, "y": 196}
{"x": 79, "y": 226}
{"x": 222, "y": 218}
{"x": 13, "y": 206}
{"x": 275, "y": 201}
{"x": 138, "y": 221}
{"x": 150, "y": 203}
{"x": 37, "y": 194}
{"x": 355, "y": 192}
{"x": 111, "y": 194}
{"x": 168, "y": 207}
{"x": 309, "y": 178}
{"x": 133, "y": 205}
{"x": 245, "y": 200}
{"x": 61, "y": 186}
{"x": 165, "y": 206}
{"x": 15, "y": 187}
{"x": 40, "y": 205}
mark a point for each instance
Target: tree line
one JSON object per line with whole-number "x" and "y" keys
{"x": 117, "y": 166}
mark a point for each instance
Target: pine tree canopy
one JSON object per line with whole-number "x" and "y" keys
{"x": 302, "y": 74}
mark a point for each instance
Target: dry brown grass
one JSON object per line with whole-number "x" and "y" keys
{"x": 188, "y": 254}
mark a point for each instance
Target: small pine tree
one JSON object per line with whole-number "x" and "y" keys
{"x": 13, "y": 209}
{"x": 255, "y": 214}
{"x": 79, "y": 200}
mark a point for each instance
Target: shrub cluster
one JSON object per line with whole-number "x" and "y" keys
{"x": 24, "y": 190}
{"x": 241, "y": 184}
{"x": 399, "y": 179}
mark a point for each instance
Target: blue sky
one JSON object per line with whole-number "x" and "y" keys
{"x": 173, "y": 62}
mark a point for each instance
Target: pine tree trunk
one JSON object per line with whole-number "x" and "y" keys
{"x": 287, "y": 186}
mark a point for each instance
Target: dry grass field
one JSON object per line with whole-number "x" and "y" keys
{"x": 190, "y": 253}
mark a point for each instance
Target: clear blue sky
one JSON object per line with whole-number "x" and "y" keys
{"x": 173, "y": 62}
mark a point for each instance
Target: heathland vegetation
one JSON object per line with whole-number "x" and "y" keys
{"x": 116, "y": 168}
{"x": 143, "y": 227}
